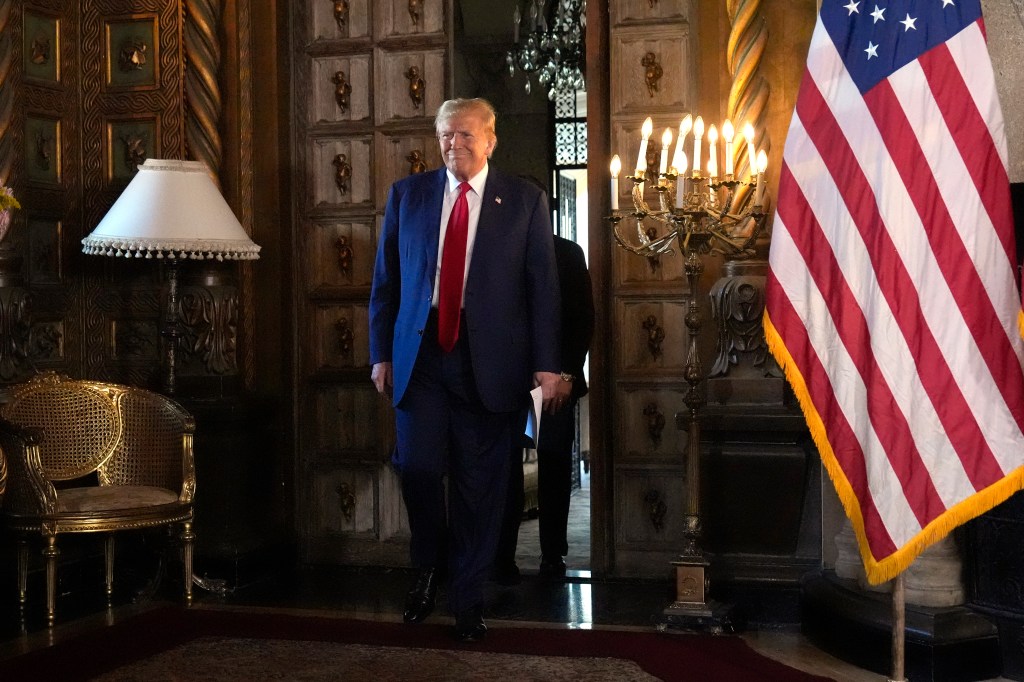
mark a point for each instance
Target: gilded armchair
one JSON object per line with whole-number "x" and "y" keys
{"x": 86, "y": 456}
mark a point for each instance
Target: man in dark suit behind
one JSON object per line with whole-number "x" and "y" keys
{"x": 558, "y": 430}
{"x": 456, "y": 400}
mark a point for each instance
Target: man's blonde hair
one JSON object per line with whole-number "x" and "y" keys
{"x": 458, "y": 106}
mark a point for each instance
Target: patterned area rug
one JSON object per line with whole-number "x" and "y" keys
{"x": 202, "y": 643}
{"x": 218, "y": 658}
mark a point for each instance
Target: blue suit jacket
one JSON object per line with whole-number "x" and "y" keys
{"x": 511, "y": 296}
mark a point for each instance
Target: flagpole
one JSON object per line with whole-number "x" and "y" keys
{"x": 899, "y": 629}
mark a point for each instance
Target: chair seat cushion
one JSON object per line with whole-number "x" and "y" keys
{"x": 111, "y": 498}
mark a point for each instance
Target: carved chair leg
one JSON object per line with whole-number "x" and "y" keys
{"x": 50, "y": 553}
{"x": 187, "y": 540}
{"x": 22, "y": 573}
{"x": 108, "y": 559}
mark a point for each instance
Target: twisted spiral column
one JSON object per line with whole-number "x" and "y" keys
{"x": 7, "y": 84}
{"x": 202, "y": 93}
{"x": 749, "y": 92}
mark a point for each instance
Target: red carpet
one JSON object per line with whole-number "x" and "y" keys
{"x": 667, "y": 656}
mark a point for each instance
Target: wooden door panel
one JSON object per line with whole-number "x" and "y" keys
{"x": 341, "y": 171}
{"x": 340, "y": 337}
{"x": 339, "y": 255}
{"x": 410, "y": 85}
{"x": 645, "y": 421}
{"x": 651, "y": 336}
{"x": 342, "y": 89}
{"x": 400, "y": 155}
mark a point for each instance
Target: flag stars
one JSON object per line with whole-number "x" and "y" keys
{"x": 872, "y": 50}
{"x": 853, "y": 7}
{"x": 878, "y": 14}
{"x": 909, "y": 23}
{"x": 947, "y": 3}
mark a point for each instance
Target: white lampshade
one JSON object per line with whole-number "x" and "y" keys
{"x": 171, "y": 209}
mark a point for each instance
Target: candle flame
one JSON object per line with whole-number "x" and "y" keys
{"x": 616, "y": 166}
{"x": 685, "y": 125}
{"x": 748, "y": 132}
{"x": 712, "y": 134}
{"x": 648, "y": 128}
{"x": 666, "y": 138}
{"x": 762, "y": 161}
{"x": 698, "y": 128}
{"x": 727, "y": 130}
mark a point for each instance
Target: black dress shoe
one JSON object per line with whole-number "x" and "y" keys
{"x": 551, "y": 568}
{"x": 469, "y": 626}
{"x": 419, "y": 602}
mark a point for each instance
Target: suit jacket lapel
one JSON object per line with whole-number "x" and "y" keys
{"x": 432, "y": 219}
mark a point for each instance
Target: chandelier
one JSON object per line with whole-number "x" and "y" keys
{"x": 548, "y": 42}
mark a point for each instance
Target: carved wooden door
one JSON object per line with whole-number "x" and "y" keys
{"x": 368, "y": 76}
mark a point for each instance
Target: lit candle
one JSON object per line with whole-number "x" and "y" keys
{"x": 762, "y": 165}
{"x": 748, "y": 133}
{"x": 698, "y": 132}
{"x": 713, "y": 151}
{"x": 684, "y": 130}
{"x": 727, "y": 133}
{"x": 681, "y": 181}
{"x": 616, "y": 167}
{"x": 666, "y": 140}
{"x": 516, "y": 19}
{"x": 641, "y": 159}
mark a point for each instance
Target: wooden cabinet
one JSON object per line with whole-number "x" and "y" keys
{"x": 367, "y": 83}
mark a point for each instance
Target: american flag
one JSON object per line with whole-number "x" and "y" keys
{"x": 892, "y": 300}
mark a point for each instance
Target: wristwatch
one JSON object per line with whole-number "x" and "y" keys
{"x": 566, "y": 377}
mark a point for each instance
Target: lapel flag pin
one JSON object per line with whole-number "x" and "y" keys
{"x": 497, "y": 200}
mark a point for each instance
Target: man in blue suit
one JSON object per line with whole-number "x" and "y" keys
{"x": 457, "y": 400}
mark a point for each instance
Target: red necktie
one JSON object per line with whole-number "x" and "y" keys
{"x": 453, "y": 267}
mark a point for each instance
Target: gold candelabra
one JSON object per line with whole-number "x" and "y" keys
{"x": 696, "y": 213}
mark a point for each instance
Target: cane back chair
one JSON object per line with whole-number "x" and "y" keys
{"x": 87, "y": 456}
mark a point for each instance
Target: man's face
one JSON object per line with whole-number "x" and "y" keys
{"x": 465, "y": 145}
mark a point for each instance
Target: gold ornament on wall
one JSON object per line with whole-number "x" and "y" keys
{"x": 342, "y": 90}
{"x": 414, "y": 11}
{"x": 341, "y": 13}
{"x": 655, "y": 335}
{"x": 416, "y": 162}
{"x": 342, "y": 173}
{"x": 652, "y": 72}
{"x": 344, "y": 255}
{"x": 416, "y": 86}
{"x": 132, "y": 56}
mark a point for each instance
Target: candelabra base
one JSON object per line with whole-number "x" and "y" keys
{"x": 711, "y": 616}
{"x": 692, "y": 610}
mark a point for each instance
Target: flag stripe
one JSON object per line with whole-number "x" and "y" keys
{"x": 892, "y": 302}
{"x": 895, "y": 440}
{"x": 848, "y": 464}
{"x": 899, "y": 291}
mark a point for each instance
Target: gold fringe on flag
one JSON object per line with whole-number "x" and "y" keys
{"x": 880, "y": 571}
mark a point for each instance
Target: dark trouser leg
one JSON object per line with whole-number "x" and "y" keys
{"x": 554, "y": 479}
{"x": 513, "y": 515}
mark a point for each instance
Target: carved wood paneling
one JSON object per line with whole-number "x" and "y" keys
{"x": 353, "y": 136}
{"x": 645, "y": 421}
{"x": 411, "y": 84}
{"x": 345, "y": 419}
{"x": 342, "y": 88}
{"x": 340, "y": 254}
{"x": 649, "y": 509}
{"x": 340, "y": 337}
{"x": 638, "y": 322}
{"x": 409, "y": 18}
{"x": 671, "y": 47}
{"x": 106, "y": 108}
{"x": 648, "y": 11}
{"x": 337, "y": 19}
{"x": 342, "y": 172}
{"x": 399, "y": 155}
{"x": 345, "y": 501}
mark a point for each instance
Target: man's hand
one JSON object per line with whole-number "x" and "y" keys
{"x": 548, "y": 382}
{"x": 563, "y": 390}
{"x": 382, "y": 378}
